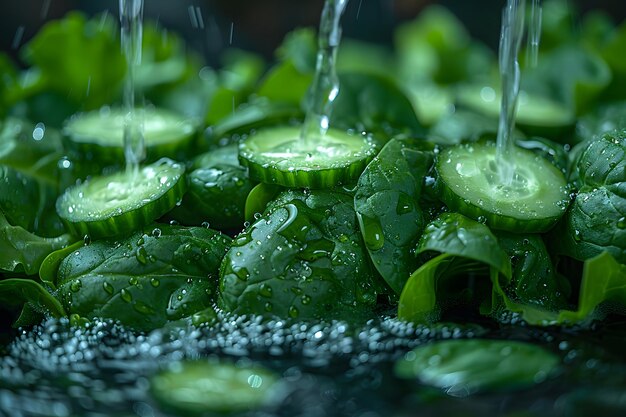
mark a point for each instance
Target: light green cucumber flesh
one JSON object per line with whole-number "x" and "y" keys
{"x": 102, "y": 132}
{"x": 469, "y": 181}
{"x": 280, "y": 156}
{"x": 122, "y": 202}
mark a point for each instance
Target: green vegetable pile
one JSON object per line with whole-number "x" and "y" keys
{"x": 385, "y": 244}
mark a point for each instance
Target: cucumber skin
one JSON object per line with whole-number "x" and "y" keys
{"x": 307, "y": 178}
{"x": 494, "y": 221}
{"x": 129, "y": 221}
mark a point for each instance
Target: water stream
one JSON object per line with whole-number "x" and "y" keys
{"x": 510, "y": 42}
{"x": 131, "y": 19}
{"x": 325, "y": 86}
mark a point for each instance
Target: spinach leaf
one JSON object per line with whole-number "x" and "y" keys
{"x": 570, "y": 75}
{"x": 387, "y": 207}
{"x": 146, "y": 280}
{"x": 28, "y": 203}
{"x": 216, "y": 192}
{"x": 465, "y": 367}
{"x": 33, "y": 149}
{"x": 297, "y": 56}
{"x": 431, "y": 287}
{"x": 254, "y": 114}
{"x": 304, "y": 259}
{"x": 18, "y": 290}
{"x": 604, "y": 279}
{"x": 437, "y": 46}
{"x": 596, "y": 220}
{"x": 534, "y": 278}
{"x": 467, "y": 248}
{"x": 375, "y": 104}
{"x": 79, "y": 59}
{"x": 457, "y": 235}
{"x": 23, "y": 251}
{"x": 259, "y": 197}
{"x": 605, "y": 118}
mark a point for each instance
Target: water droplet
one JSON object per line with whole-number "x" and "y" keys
{"x": 621, "y": 223}
{"x": 293, "y": 312}
{"x": 141, "y": 255}
{"x": 108, "y": 287}
{"x": 156, "y": 232}
{"x": 265, "y": 290}
{"x": 126, "y": 295}
{"x": 143, "y": 308}
{"x": 133, "y": 281}
{"x": 76, "y": 285}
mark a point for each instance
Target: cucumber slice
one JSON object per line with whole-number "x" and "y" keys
{"x": 536, "y": 115}
{"x": 468, "y": 181}
{"x": 100, "y": 134}
{"x": 120, "y": 203}
{"x": 279, "y": 156}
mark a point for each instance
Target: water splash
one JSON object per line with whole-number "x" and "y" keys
{"x": 131, "y": 19}
{"x": 325, "y": 86}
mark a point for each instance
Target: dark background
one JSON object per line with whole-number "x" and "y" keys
{"x": 260, "y": 25}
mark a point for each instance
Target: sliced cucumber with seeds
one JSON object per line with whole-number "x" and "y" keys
{"x": 280, "y": 156}
{"x": 470, "y": 181}
{"x": 100, "y": 134}
{"x": 120, "y": 203}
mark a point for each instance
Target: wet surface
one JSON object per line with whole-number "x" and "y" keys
{"x": 329, "y": 369}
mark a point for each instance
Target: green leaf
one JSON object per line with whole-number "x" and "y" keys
{"x": 569, "y": 75}
{"x": 29, "y": 203}
{"x": 596, "y": 220}
{"x": 303, "y": 259}
{"x": 418, "y": 300}
{"x": 79, "y": 58}
{"x": 216, "y": 192}
{"x": 19, "y": 290}
{"x": 457, "y": 235}
{"x": 284, "y": 74}
{"x": 604, "y": 280}
{"x": 21, "y": 250}
{"x": 387, "y": 207}
{"x": 32, "y": 149}
{"x": 465, "y": 367}
{"x": 145, "y": 280}
{"x": 258, "y": 198}
{"x": 437, "y": 47}
{"x": 375, "y": 104}
{"x": 254, "y": 114}
{"x": 534, "y": 279}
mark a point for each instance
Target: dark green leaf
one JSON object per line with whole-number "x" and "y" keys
{"x": 375, "y": 104}
{"x": 303, "y": 259}
{"x": 386, "y": 203}
{"x": 216, "y": 192}
{"x": 146, "y": 280}
{"x": 21, "y": 250}
{"x": 455, "y": 234}
{"x": 17, "y": 290}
